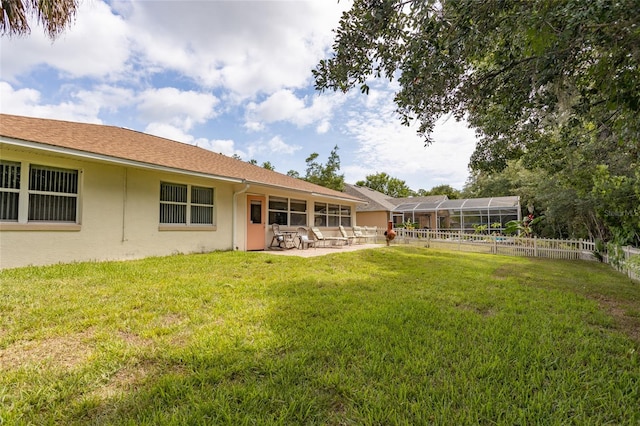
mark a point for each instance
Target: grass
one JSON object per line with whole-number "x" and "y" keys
{"x": 394, "y": 336}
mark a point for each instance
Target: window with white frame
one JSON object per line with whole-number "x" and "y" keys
{"x": 9, "y": 190}
{"x": 186, "y": 204}
{"x": 326, "y": 214}
{"x": 51, "y": 193}
{"x": 287, "y": 211}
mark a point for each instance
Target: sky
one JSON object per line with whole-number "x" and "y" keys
{"x": 230, "y": 76}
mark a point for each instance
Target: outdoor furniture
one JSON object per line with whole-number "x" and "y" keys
{"x": 331, "y": 241}
{"x": 371, "y": 232}
{"x": 282, "y": 239}
{"x": 357, "y": 232}
{"x": 304, "y": 238}
{"x": 350, "y": 238}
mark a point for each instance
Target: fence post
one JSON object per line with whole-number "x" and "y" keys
{"x": 627, "y": 256}
{"x": 535, "y": 246}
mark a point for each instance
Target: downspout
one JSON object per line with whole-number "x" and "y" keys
{"x": 234, "y": 220}
{"x": 124, "y": 206}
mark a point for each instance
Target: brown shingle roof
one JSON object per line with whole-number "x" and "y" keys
{"x": 125, "y": 144}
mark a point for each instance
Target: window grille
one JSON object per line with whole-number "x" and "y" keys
{"x": 201, "y": 205}
{"x": 9, "y": 190}
{"x": 176, "y": 200}
{"x": 53, "y": 194}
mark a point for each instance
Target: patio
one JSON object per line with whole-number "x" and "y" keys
{"x": 321, "y": 251}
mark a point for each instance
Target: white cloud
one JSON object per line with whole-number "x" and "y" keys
{"x": 95, "y": 45}
{"x": 385, "y": 145}
{"x": 278, "y": 146}
{"x": 168, "y": 131}
{"x": 222, "y": 146}
{"x": 275, "y": 145}
{"x": 285, "y": 106}
{"x": 247, "y": 47}
{"x": 28, "y": 102}
{"x": 180, "y": 109}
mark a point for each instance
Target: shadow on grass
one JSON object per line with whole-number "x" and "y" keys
{"x": 387, "y": 336}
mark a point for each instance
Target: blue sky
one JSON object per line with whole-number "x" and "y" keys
{"x": 231, "y": 76}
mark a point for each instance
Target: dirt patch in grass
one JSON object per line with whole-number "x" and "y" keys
{"x": 62, "y": 352}
{"x": 627, "y": 323}
{"x": 124, "y": 380}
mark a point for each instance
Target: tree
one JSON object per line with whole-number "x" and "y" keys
{"x": 386, "y": 184}
{"x": 447, "y": 190}
{"x": 325, "y": 175}
{"x": 54, "y": 15}
{"x": 267, "y": 165}
{"x": 553, "y": 83}
{"x": 515, "y": 69}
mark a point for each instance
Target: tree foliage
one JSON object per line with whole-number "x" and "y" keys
{"x": 519, "y": 71}
{"x": 386, "y": 184}
{"x": 447, "y": 190}
{"x": 54, "y": 15}
{"x": 555, "y": 84}
{"x": 325, "y": 175}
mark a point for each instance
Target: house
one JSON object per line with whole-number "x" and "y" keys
{"x": 76, "y": 192}
{"x": 436, "y": 212}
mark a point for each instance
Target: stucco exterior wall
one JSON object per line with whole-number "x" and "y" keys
{"x": 379, "y": 219}
{"x": 118, "y": 218}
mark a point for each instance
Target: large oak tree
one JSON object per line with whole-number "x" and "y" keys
{"x": 555, "y": 83}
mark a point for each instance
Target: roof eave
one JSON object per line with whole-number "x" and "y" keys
{"x": 110, "y": 159}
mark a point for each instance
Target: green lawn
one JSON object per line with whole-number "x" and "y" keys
{"x": 389, "y": 336}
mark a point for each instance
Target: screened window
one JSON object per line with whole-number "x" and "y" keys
{"x": 186, "y": 204}
{"x": 9, "y": 190}
{"x": 331, "y": 215}
{"x": 53, "y": 194}
{"x": 287, "y": 211}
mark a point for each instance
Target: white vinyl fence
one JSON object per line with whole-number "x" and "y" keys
{"x": 515, "y": 246}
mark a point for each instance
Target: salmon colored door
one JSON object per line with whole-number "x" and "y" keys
{"x": 256, "y": 222}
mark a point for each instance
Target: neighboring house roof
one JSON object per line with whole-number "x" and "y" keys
{"x": 116, "y": 144}
{"x": 376, "y": 201}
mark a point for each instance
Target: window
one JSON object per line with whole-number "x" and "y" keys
{"x": 48, "y": 194}
{"x": 185, "y": 204}
{"x": 287, "y": 212}
{"x": 332, "y": 215}
{"x": 9, "y": 190}
{"x": 53, "y": 194}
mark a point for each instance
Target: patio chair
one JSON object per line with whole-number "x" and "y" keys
{"x": 371, "y": 232}
{"x": 350, "y": 238}
{"x": 278, "y": 237}
{"x": 282, "y": 239}
{"x": 357, "y": 232}
{"x": 327, "y": 240}
{"x": 304, "y": 238}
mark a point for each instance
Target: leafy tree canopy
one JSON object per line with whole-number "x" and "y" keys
{"x": 447, "y": 190}
{"x": 524, "y": 73}
{"x": 54, "y": 15}
{"x": 386, "y": 184}
{"x": 325, "y": 175}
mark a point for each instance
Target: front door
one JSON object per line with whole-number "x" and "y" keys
{"x": 256, "y": 222}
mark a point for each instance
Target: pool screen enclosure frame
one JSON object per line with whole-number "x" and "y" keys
{"x": 459, "y": 215}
